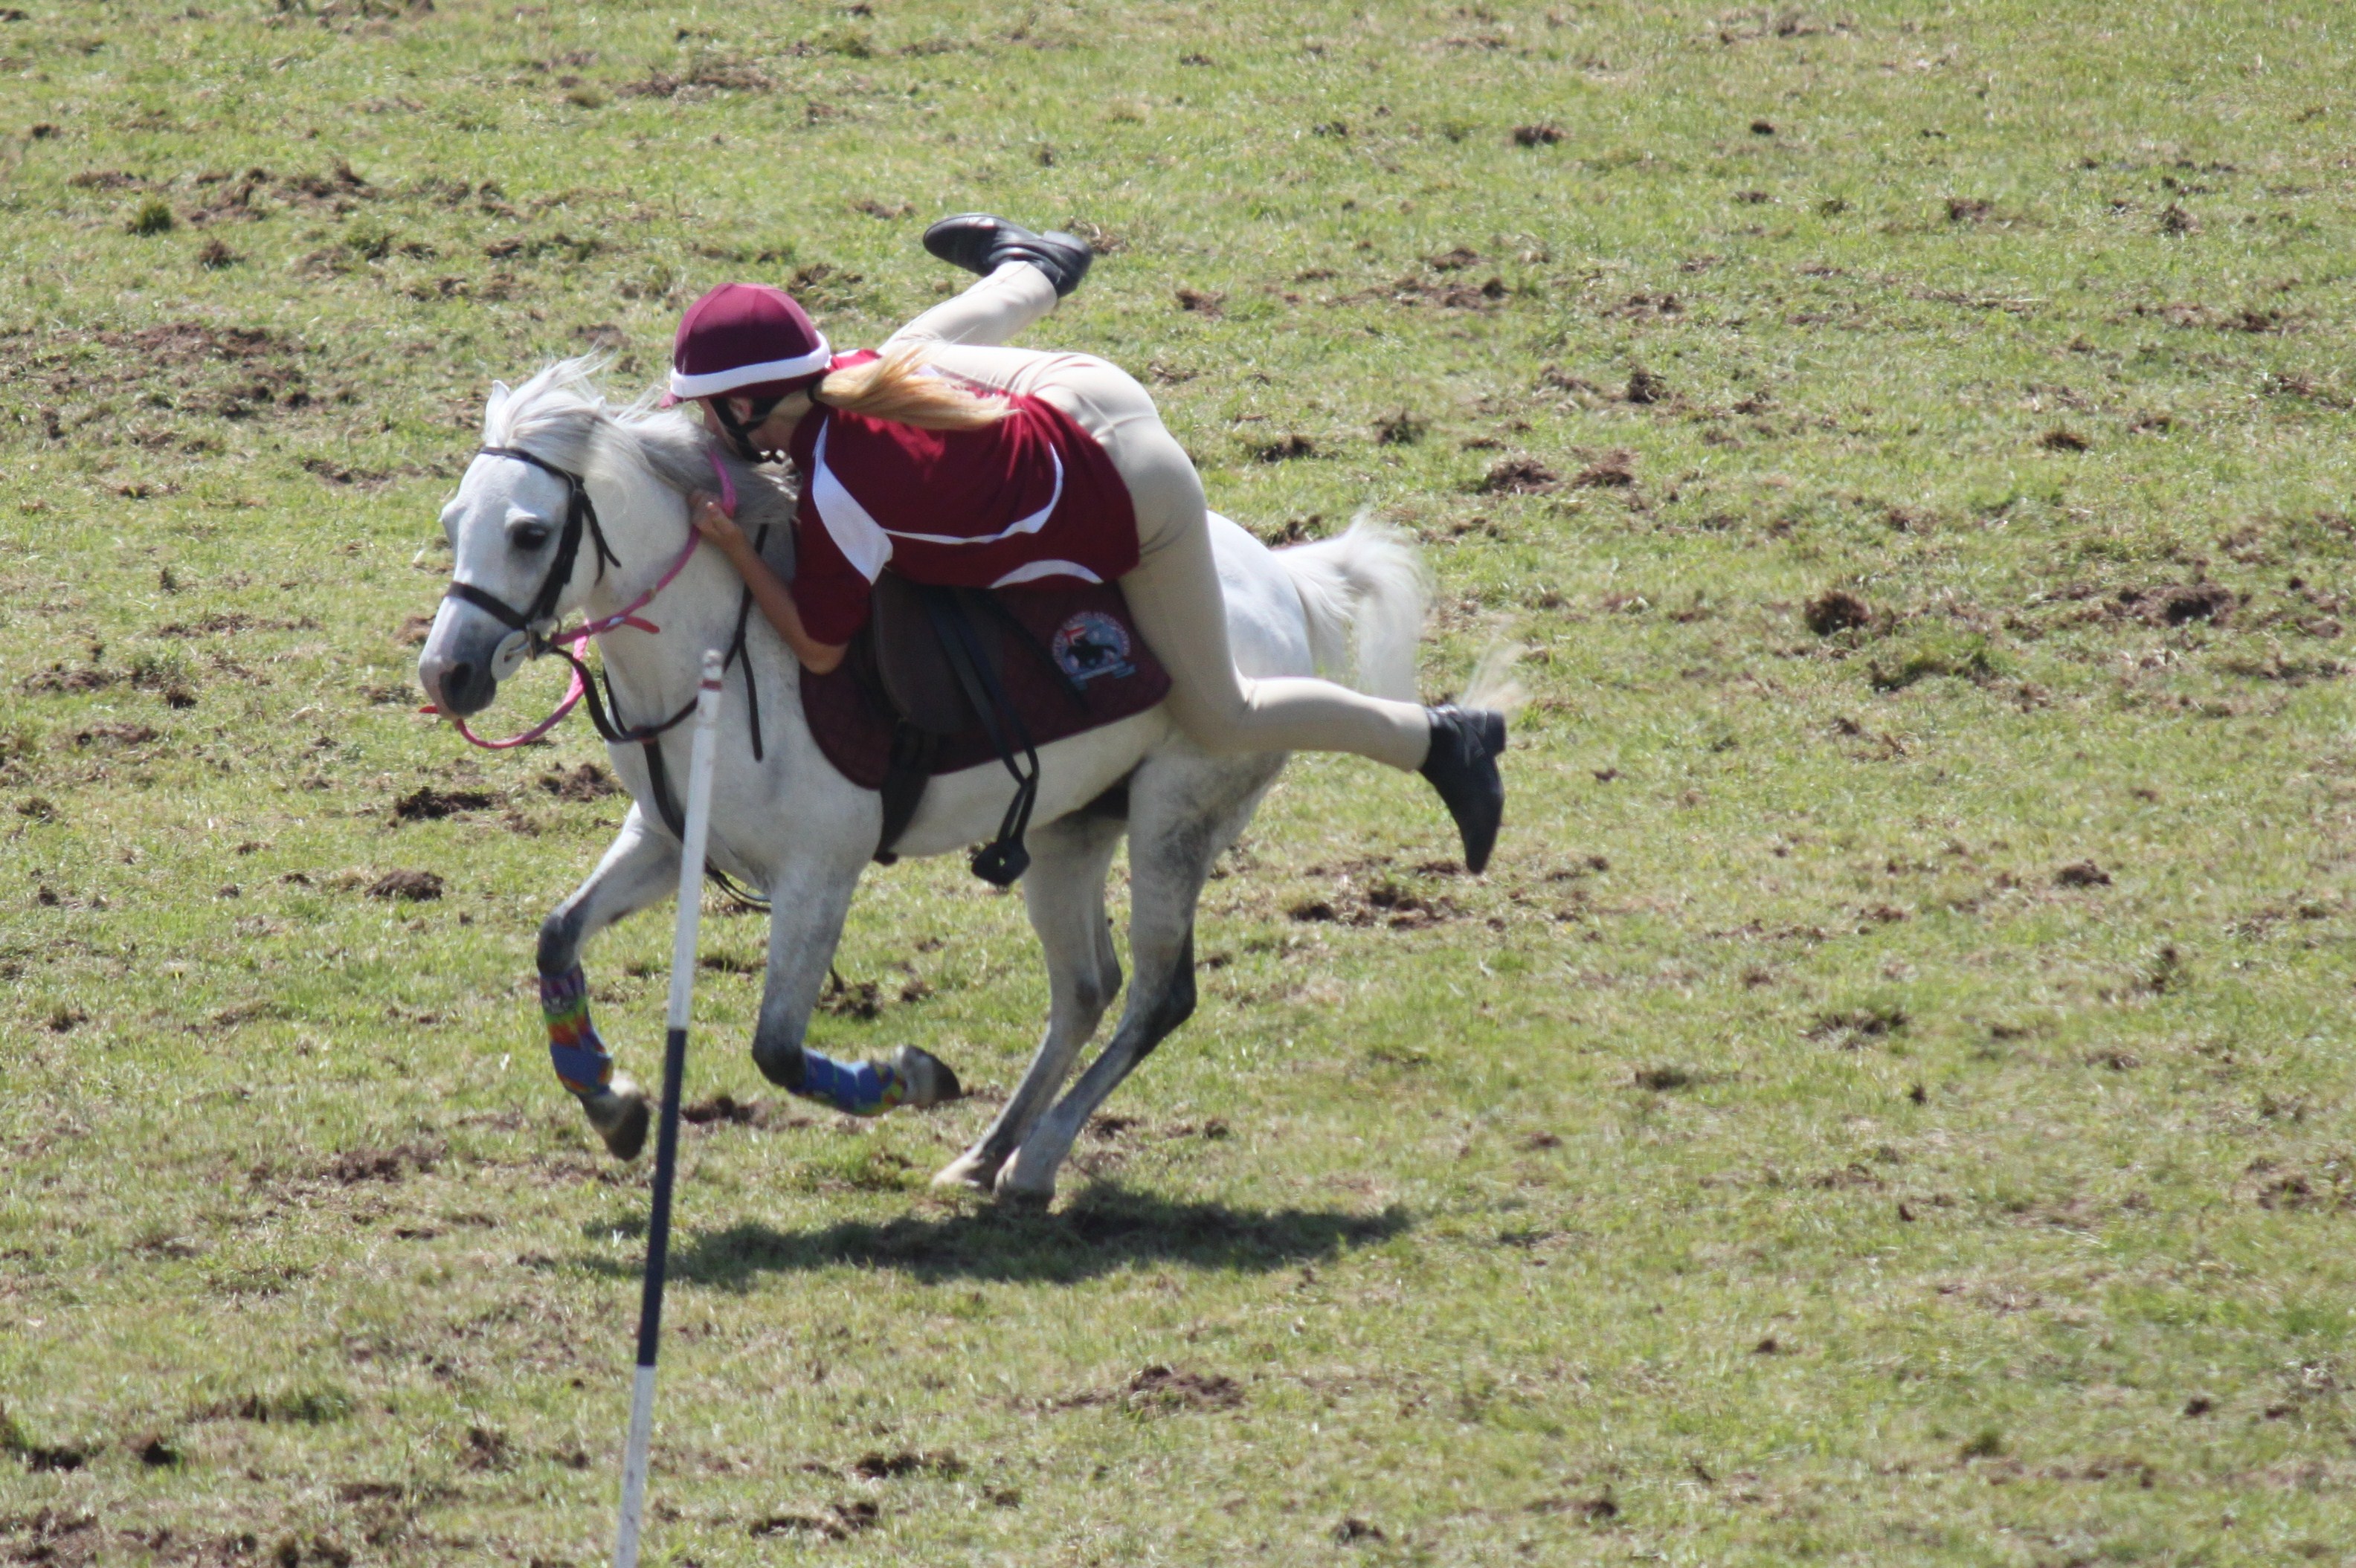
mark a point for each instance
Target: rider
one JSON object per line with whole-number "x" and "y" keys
{"x": 964, "y": 464}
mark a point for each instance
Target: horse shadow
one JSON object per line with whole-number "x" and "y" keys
{"x": 1108, "y": 1227}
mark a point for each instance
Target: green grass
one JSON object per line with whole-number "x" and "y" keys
{"x": 1777, "y": 1157}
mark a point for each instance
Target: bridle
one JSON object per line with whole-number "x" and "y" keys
{"x": 525, "y": 640}
{"x": 580, "y": 516}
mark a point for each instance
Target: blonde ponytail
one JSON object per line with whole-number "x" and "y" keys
{"x": 899, "y": 387}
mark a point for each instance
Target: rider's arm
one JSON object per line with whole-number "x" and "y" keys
{"x": 769, "y": 591}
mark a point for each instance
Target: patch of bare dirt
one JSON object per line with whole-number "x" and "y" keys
{"x": 906, "y": 1462}
{"x": 1645, "y": 388}
{"x": 219, "y": 621}
{"x": 115, "y": 734}
{"x": 231, "y": 372}
{"x": 1440, "y": 290}
{"x": 1284, "y": 448}
{"x": 840, "y": 1522}
{"x": 1852, "y": 1027}
{"x": 59, "y": 678}
{"x": 1615, "y": 470}
{"x": 355, "y": 1166}
{"x": 727, "y": 1110}
{"x": 1646, "y": 308}
{"x": 1158, "y": 1389}
{"x": 860, "y": 999}
{"x": 340, "y": 474}
{"x": 1836, "y": 610}
{"x": 1518, "y": 476}
{"x": 426, "y": 804}
{"x": 703, "y": 78}
{"x": 2329, "y": 1189}
{"x": 2176, "y": 604}
{"x": 407, "y": 887}
{"x": 584, "y": 781}
{"x": 2277, "y": 666}
{"x": 1383, "y": 901}
{"x": 2162, "y": 604}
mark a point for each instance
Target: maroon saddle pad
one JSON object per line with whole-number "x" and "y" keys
{"x": 1068, "y": 658}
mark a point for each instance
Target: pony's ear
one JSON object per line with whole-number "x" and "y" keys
{"x": 497, "y": 400}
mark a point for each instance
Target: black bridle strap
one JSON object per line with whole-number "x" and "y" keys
{"x": 490, "y": 602}
{"x": 580, "y": 501}
{"x": 580, "y": 516}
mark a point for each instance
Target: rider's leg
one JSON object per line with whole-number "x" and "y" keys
{"x": 986, "y": 314}
{"x": 965, "y": 336}
{"x": 1175, "y": 597}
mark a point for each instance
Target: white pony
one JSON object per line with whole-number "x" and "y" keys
{"x": 793, "y": 828}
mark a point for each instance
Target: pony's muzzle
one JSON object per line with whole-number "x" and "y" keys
{"x": 459, "y": 687}
{"x": 466, "y": 654}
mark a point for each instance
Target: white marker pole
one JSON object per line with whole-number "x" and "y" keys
{"x": 682, "y": 998}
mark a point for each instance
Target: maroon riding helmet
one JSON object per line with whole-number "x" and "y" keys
{"x": 749, "y": 341}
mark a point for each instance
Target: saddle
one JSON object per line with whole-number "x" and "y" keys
{"x": 941, "y": 680}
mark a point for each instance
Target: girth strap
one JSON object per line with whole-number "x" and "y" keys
{"x": 1003, "y": 860}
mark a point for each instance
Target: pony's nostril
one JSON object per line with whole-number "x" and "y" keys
{"x": 466, "y": 687}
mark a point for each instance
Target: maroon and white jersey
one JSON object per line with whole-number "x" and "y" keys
{"x": 1029, "y": 498}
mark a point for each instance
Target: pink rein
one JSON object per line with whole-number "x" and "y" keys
{"x": 625, "y": 617}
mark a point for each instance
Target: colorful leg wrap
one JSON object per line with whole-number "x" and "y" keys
{"x": 862, "y": 1089}
{"x": 579, "y": 1057}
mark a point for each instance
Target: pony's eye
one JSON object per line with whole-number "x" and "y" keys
{"x": 527, "y": 536}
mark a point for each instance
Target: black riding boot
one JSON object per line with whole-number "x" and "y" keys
{"x": 981, "y": 244}
{"x": 1462, "y": 767}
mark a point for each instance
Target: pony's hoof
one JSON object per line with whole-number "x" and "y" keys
{"x": 969, "y": 1172}
{"x": 929, "y": 1078}
{"x": 620, "y": 1116}
{"x": 1017, "y": 1192}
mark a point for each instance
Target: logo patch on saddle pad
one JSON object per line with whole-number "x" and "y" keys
{"x": 1092, "y": 645}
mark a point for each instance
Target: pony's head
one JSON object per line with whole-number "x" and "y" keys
{"x": 570, "y": 501}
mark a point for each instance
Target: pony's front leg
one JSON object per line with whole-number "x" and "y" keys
{"x": 639, "y": 868}
{"x": 808, "y": 903}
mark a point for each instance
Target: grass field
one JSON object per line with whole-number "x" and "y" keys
{"x": 1888, "y": 1102}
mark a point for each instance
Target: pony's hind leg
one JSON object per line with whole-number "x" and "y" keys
{"x": 1186, "y": 812}
{"x": 639, "y": 868}
{"x": 1064, "y": 892}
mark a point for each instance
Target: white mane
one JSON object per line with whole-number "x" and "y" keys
{"x": 563, "y": 414}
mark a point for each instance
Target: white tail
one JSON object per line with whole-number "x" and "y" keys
{"x": 1493, "y": 683}
{"x": 1367, "y": 581}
